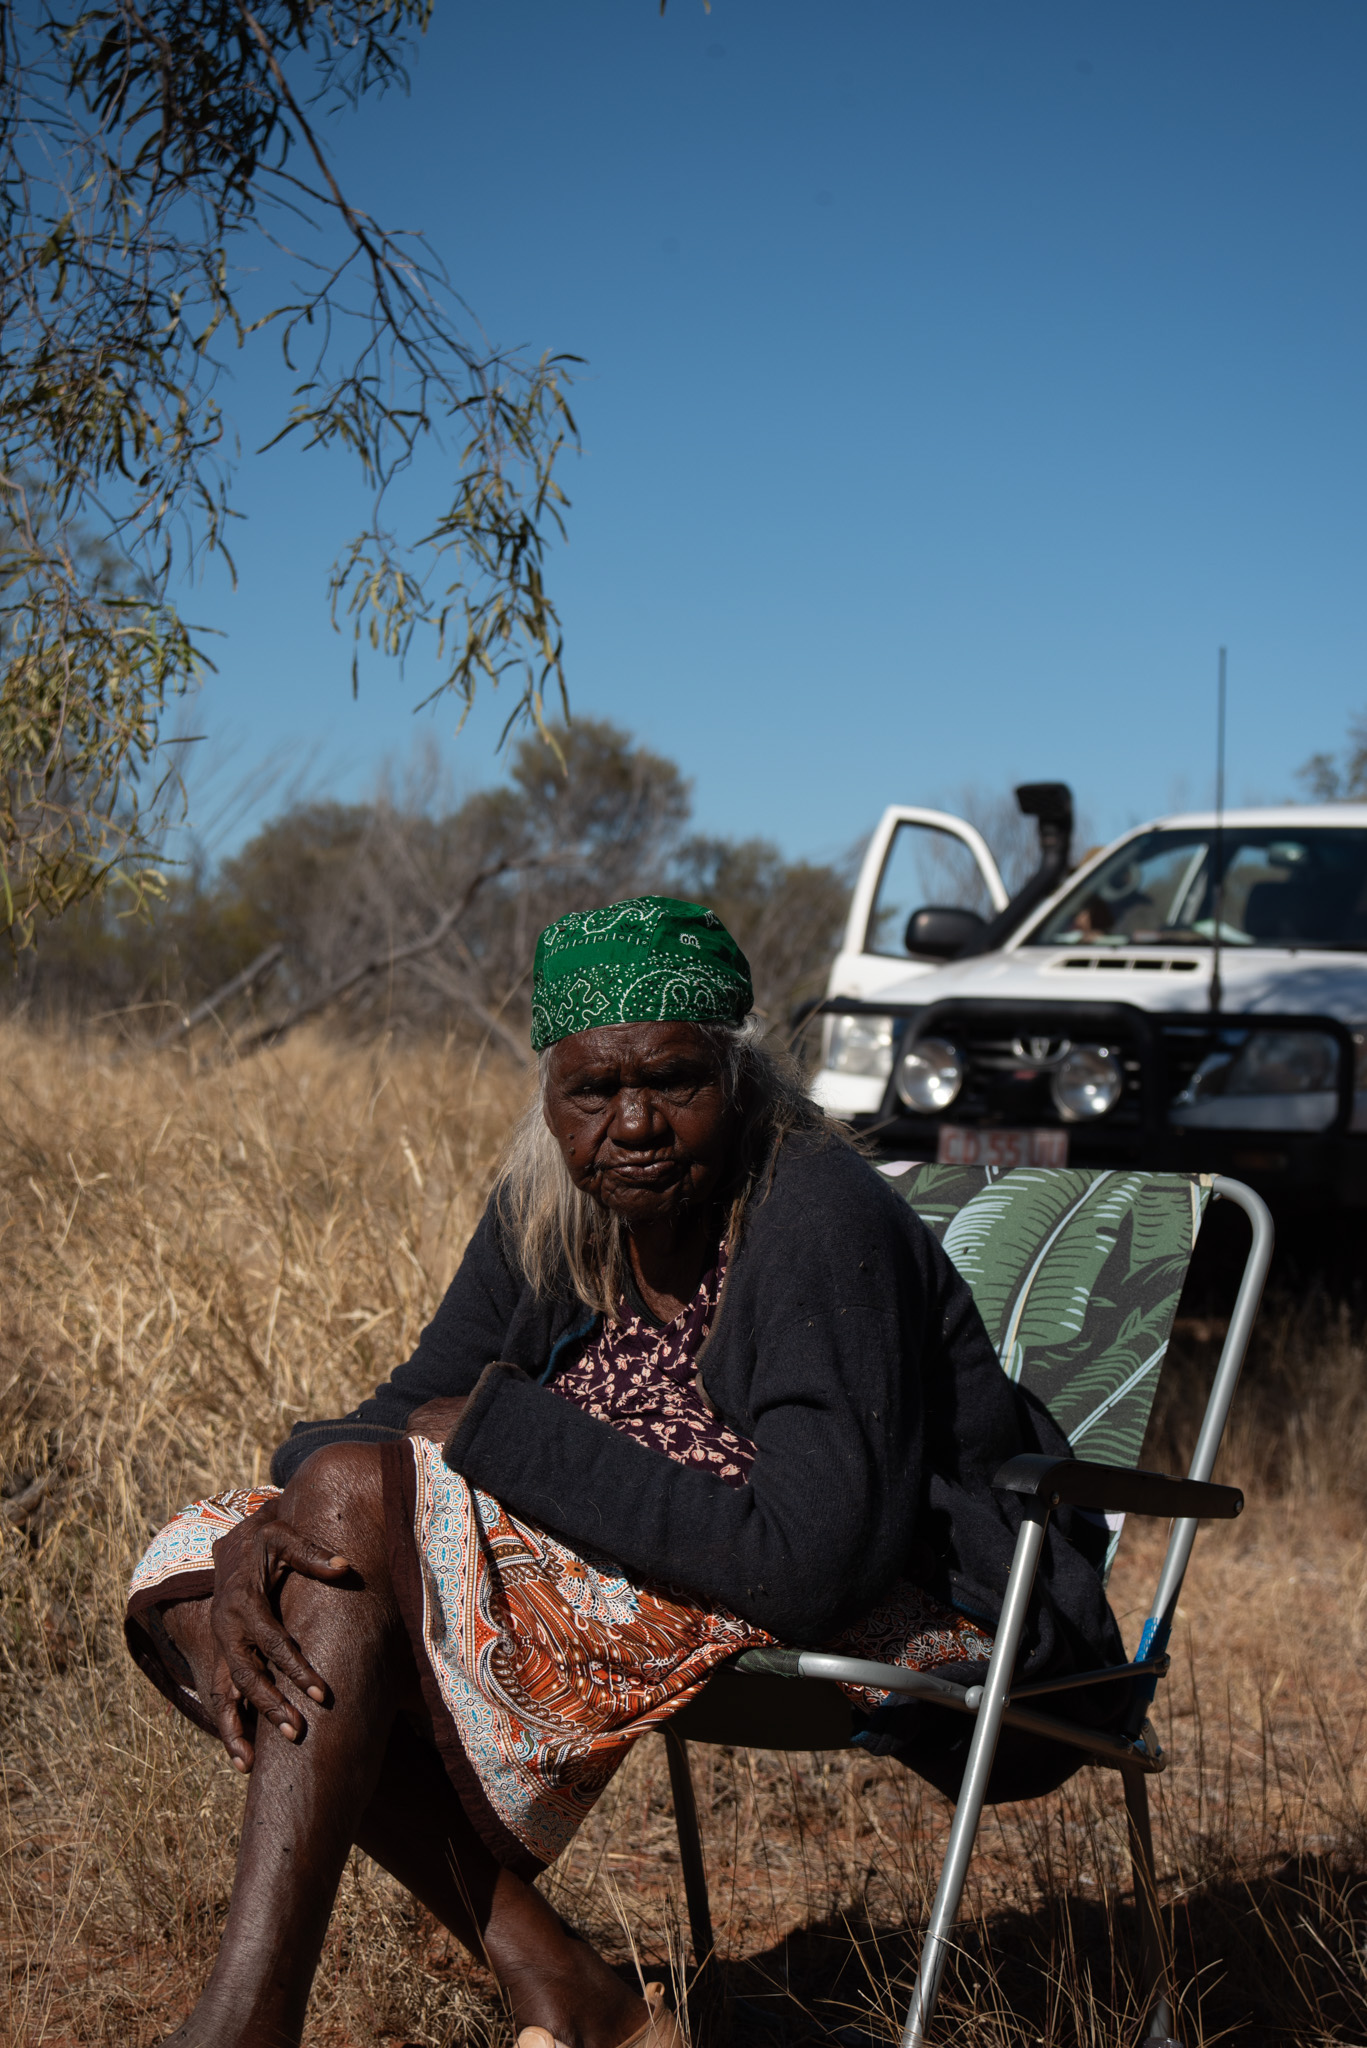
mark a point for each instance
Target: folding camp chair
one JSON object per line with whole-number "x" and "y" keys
{"x": 1077, "y": 1276}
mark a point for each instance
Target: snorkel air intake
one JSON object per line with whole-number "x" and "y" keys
{"x": 1052, "y": 804}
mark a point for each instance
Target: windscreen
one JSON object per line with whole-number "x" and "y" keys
{"x": 1280, "y": 888}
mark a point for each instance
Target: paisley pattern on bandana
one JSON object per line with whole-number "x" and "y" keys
{"x": 648, "y": 960}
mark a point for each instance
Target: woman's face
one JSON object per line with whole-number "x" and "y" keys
{"x": 641, "y": 1116}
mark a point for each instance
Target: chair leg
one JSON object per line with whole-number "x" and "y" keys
{"x": 1155, "y": 1956}
{"x": 690, "y": 1848}
{"x": 973, "y": 1791}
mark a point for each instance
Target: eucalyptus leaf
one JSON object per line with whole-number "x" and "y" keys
{"x": 142, "y": 148}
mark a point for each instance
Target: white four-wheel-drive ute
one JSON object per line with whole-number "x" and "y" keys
{"x": 1192, "y": 998}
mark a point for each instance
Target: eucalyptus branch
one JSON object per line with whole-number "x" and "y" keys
{"x": 140, "y": 142}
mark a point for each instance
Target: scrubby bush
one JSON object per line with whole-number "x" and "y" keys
{"x": 422, "y": 917}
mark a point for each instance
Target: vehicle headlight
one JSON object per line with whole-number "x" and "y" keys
{"x": 930, "y": 1075}
{"x": 1268, "y": 1063}
{"x": 1086, "y": 1082}
{"x": 861, "y": 1045}
{"x": 1284, "y": 1063}
{"x": 1264, "y": 1081}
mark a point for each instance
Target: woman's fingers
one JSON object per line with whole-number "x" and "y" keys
{"x": 255, "y": 1687}
{"x": 251, "y": 1636}
{"x": 257, "y": 1630}
{"x": 265, "y": 1546}
{"x": 291, "y": 1552}
{"x": 298, "y": 1553}
{"x": 249, "y": 1563}
{"x": 224, "y": 1702}
{"x": 436, "y": 1419}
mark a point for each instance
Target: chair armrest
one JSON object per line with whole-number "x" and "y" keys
{"x": 1119, "y": 1488}
{"x": 770, "y": 1660}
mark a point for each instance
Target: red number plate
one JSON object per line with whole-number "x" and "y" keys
{"x": 962, "y": 1147}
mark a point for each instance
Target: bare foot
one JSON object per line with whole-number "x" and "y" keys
{"x": 659, "y": 2029}
{"x": 587, "y": 2006}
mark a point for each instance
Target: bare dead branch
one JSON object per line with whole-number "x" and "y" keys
{"x": 392, "y": 956}
{"x": 255, "y": 971}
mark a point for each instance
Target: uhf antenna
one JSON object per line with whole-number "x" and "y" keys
{"x": 1219, "y": 850}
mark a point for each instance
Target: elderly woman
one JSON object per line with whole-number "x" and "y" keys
{"x": 702, "y": 1381}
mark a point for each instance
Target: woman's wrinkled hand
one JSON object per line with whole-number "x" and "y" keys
{"x": 436, "y": 1419}
{"x": 249, "y": 1640}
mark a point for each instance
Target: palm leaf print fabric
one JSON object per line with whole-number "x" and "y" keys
{"x": 1076, "y": 1274}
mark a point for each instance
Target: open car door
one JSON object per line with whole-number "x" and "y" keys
{"x": 917, "y": 861}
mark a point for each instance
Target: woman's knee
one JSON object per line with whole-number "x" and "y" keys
{"x": 336, "y": 1499}
{"x": 342, "y": 1478}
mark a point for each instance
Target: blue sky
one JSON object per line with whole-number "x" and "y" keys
{"x": 957, "y": 380}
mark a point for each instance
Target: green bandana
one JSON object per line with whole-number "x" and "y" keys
{"x": 650, "y": 960}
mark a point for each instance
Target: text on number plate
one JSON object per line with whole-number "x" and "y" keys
{"x": 961, "y": 1147}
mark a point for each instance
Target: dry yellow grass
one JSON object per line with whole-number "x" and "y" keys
{"x": 195, "y": 1258}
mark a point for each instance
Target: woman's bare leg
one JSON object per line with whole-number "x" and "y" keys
{"x": 417, "y": 1829}
{"x": 351, "y": 1779}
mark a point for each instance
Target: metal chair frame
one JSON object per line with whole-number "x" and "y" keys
{"x": 1042, "y": 1484}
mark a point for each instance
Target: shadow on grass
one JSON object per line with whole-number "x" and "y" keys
{"x": 1266, "y": 1962}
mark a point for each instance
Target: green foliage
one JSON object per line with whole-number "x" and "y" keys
{"x": 87, "y": 659}
{"x": 583, "y": 819}
{"x": 266, "y": 892}
{"x": 787, "y": 915}
{"x": 592, "y": 788}
{"x": 139, "y": 146}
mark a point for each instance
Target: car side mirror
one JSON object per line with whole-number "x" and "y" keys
{"x": 941, "y": 933}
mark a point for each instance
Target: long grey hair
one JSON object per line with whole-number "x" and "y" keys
{"x": 554, "y": 1227}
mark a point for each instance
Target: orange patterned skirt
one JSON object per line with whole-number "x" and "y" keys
{"x": 541, "y": 1665}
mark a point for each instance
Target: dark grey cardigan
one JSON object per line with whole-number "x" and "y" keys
{"x": 847, "y": 1347}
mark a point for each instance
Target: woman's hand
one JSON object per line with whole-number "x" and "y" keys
{"x": 247, "y": 1640}
{"x": 247, "y": 1636}
{"x": 436, "y": 1419}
